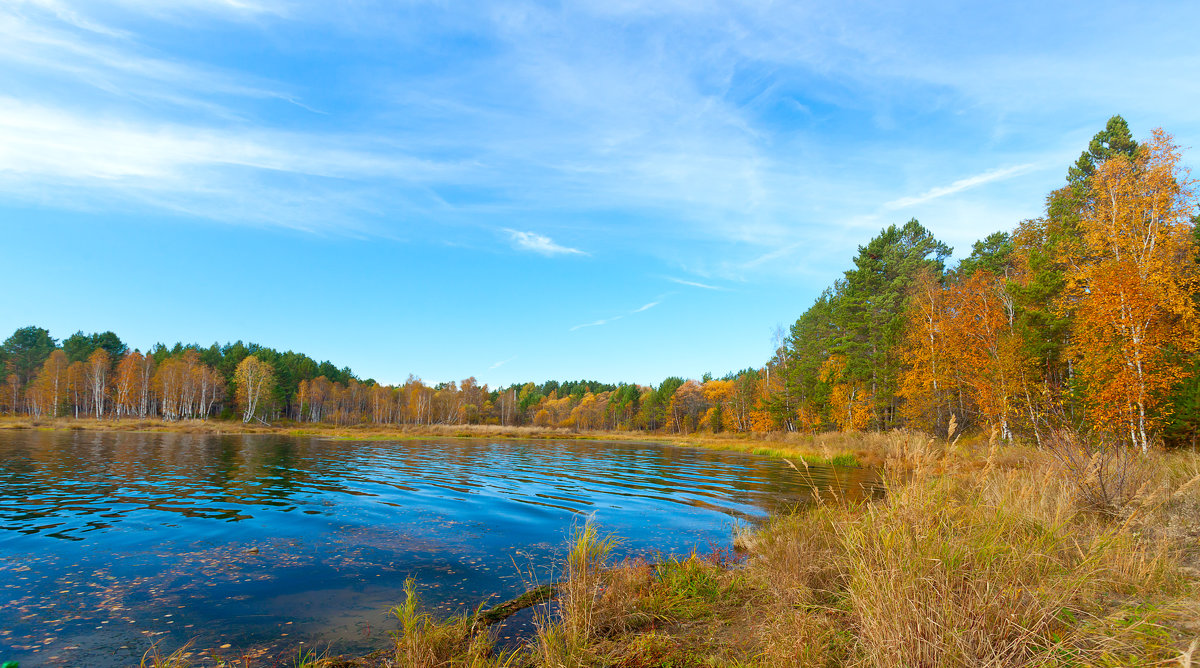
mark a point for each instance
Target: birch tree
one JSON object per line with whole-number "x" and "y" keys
{"x": 254, "y": 379}
{"x": 96, "y": 369}
{"x": 1136, "y": 318}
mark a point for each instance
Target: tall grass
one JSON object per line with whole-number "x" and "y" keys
{"x": 154, "y": 658}
{"x": 424, "y": 642}
{"x": 581, "y": 616}
{"x": 968, "y": 563}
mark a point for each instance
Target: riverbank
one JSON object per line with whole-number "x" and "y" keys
{"x": 836, "y": 449}
{"x": 977, "y": 555}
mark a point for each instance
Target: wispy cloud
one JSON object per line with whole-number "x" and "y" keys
{"x": 598, "y": 323}
{"x": 693, "y": 284}
{"x": 771, "y": 255}
{"x": 501, "y": 363}
{"x": 191, "y": 169}
{"x": 700, "y": 152}
{"x": 92, "y": 54}
{"x": 537, "y": 243}
{"x": 67, "y": 15}
{"x": 960, "y": 185}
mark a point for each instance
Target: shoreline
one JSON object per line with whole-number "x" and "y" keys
{"x": 826, "y": 449}
{"x": 1006, "y": 545}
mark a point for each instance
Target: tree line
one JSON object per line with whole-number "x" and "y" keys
{"x": 1085, "y": 316}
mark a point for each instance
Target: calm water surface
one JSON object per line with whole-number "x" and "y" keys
{"x": 251, "y": 545}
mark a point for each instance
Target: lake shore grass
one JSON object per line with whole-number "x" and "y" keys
{"x": 978, "y": 553}
{"x": 976, "y": 556}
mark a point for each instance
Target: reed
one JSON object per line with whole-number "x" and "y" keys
{"x": 972, "y": 563}
{"x": 154, "y": 658}
{"x": 423, "y": 642}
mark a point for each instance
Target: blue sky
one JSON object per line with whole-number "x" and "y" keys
{"x": 523, "y": 190}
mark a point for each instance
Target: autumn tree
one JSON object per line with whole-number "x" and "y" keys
{"x": 685, "y": 406}
{"x": 78, "y": 388}
{"x": 52, "y": 383}
{"x": 12, "y": 392}
{"x": 1047, "y": 251}
{"x": 254, "y": 378}
{"x": 983, "y": 349}
{"x": 717, "y": 393}
{"x": 1135, "y": 312}
{"x": 747, "y": 391}
{"x": 96, "y": 369}
{"x": 127, "y": 384}
{"x": 850, "y": 404}
{"x": 926, "y": 382}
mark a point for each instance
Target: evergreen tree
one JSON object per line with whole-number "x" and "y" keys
{"x": 26, "y": 350}
{"x": 870, "y": 312}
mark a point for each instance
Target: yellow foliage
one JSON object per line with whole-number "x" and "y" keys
{"x": 1135, "y": 314}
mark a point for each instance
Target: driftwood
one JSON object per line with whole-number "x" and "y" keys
{"x": 503, "y": 611}
{"x": 532, "y": 597}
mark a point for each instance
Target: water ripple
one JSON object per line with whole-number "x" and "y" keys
{"x": 263, "y": 541}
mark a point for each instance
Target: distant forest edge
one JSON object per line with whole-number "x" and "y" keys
{"x": 1085, "y": 317}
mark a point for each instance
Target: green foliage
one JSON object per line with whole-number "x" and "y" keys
{"x": 80, "y": 346}
{"x": 843, "y": 459}
{"x": 1042, "y": 322}
{"x": 992, "y": 254}
{"x": 26, "y": 350}
{"x": 310, "y": 659}
{"x": 808, "y": 345}
{"x": 655, "y": 408}
{"x": 862, "y": 319}
{"x": 1183, "y": 425}
{"x": 687, "y": 588}
{"x": 1114, "y": 139}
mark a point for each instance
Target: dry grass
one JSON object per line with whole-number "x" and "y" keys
{"x": 154, "y": 658}
{"x": 996, "y": 561}
{"x": 978, "y": 555}
{"x": 423, "y": 642}
{"x": 586, "y": 610}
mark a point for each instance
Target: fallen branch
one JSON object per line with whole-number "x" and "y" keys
{"x": 509, "y": 608}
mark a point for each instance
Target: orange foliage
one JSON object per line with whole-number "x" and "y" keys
{"x": 985, "y": 352}
{"x": 1135, "y": 313}
{"x": 926, "y": 378}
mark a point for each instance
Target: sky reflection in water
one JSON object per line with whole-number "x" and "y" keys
{"x": 252, "y": 544}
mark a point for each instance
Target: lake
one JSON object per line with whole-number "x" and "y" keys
{"x": 248, "y": 545}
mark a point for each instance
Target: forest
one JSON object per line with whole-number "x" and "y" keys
{"x": 1085, "y": 317}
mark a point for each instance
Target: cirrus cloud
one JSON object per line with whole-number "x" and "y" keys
{"x": 537, "y": 243}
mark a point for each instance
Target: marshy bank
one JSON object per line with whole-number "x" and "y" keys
{"x": 976, "y": 556}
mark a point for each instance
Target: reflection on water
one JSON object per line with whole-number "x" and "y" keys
{"x": 249, "y": 545}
